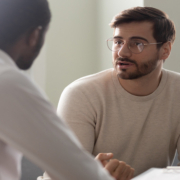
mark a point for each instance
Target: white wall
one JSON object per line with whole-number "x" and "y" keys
{"x": 172, "y": 9}
{"x": 71, "y": 47}
{"x": 38, "y": 71}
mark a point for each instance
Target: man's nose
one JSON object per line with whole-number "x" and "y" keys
{"x": 124, "y": 51}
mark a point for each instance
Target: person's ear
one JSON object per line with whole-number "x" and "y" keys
{"x": 34, "y": 36}
{"x": 166, "y": 50}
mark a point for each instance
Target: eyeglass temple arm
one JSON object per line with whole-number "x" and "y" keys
{"x": 153, "y": 43}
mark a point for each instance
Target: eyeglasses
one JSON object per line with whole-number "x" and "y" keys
{"x": 135, "y": 46}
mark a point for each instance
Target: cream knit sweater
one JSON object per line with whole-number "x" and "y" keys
{"x": 143, "y": 131}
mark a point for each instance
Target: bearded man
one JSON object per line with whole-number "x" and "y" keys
{"x": 131, "y": 110}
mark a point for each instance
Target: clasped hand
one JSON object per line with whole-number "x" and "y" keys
{"x": 118, "y": 169}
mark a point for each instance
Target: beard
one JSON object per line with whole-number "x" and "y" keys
{"x": 142, "y": 69}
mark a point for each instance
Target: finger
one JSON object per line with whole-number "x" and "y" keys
{"x": 120, "y": 170}
{"x": 112, "y": 165}
{"x": 104, "y": 156}
{"x": 104, "y": 163}
{"x": 131, "y": 175}
{"x": 127, "y": 171}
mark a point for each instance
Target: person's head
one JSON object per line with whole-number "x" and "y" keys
{"x": 142, "y": 37}
{"x": 23, "y": 24}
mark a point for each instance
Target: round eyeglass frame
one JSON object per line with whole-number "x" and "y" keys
{"x": 129, "y": 47}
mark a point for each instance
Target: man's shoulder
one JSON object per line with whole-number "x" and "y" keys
{"x": 93, "y": 79}
{"x": 17, "y": 81}
{"x": 173, "y": 79}
{"x": 10, "y": 76}
{"x": 172, "y": 75}
{"x": 13, "y": 77}
{"x": 93, "y": 84}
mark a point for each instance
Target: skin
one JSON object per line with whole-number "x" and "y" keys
{"x": 27, "y": 48}
{"x": 151, "y": 57}
{"x": 118, "y": 169}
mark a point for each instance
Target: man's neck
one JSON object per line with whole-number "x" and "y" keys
{"x": 143, "y": 86}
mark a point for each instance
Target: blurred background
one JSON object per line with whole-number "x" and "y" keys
{"x": 75, "y": 46}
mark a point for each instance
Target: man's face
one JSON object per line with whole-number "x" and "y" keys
{"x": 26, "y": 60}
{"x": 129, "y": 65}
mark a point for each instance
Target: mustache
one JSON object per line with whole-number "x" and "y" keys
{"x": 126, "y": 59}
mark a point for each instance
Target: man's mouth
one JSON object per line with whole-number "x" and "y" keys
{"x": 124, "y": 64}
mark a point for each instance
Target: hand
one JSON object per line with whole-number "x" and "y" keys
{"x": 118, "y": 169}
{"x": 104, "y": 158}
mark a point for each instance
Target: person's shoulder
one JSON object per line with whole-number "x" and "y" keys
{"x": 17, "y": 81}
{"x": 173, "y": 79}
{"x": 93, "y": 79}
{"x": 10, "y": 76}
{"x": 94, "y": 83}
{"x": 172, "y": 75}
{"x": 14, "y": 77}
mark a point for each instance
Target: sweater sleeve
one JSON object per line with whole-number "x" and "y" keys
{"x": 75, "y": 108}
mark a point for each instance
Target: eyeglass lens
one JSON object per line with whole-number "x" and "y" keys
{"x": 116, "y": 44}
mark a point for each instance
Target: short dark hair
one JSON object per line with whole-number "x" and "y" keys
{"x": 163, "y": 27}
{"x": 18, "y": 17}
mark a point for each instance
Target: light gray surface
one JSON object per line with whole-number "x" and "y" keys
{"x": 176, "y": 161}
{"x": 29, "y": 170}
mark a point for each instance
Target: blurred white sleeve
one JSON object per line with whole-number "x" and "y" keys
{"x": 30, "y": 124}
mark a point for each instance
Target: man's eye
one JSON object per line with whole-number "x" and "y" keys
{"x": 118, "y": 42}
{"x": 136, "y": 43}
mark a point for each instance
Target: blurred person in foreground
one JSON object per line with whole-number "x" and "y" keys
{"x": 132, "y": 109}
{"x": 29, "y": 124}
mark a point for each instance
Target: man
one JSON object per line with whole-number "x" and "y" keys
{"x": 28, "y": 122}
{"x": 131, "y": 110}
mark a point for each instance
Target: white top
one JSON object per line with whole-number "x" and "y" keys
{"x": 143, "y": 131}
{"x": 29, "y": 124}
{"x": 160, "y": 174}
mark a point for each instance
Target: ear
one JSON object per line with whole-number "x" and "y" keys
{"x": 166, "y": 50}
{"x": 34, "y": 37}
